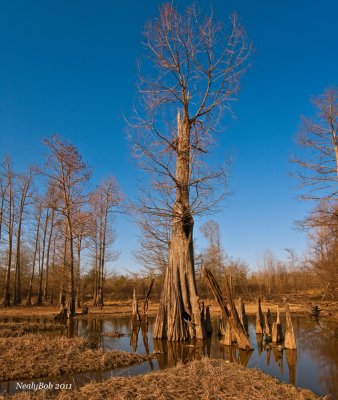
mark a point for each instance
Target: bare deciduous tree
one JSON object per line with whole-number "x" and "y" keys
{"x": 24, "y": 183}
{"x": 318, "y": 172}
{"x": 103, "y": 201}
{"x": 154, "y": 244}
{"x": 8, "y": 208}
{"x": 194, "y": 69}
{"x": 67, "y": 173}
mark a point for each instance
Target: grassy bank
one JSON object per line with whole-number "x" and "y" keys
{"x": 34, "y": 356}
{"x": 206, "y": 380}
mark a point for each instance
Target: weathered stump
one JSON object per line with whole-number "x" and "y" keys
{"x": 64, "y": 313}
{"x": 242, "y": 315}
{"x": 267, "y": 331}
{"x": 227, "y": 338}
{"x": 277, "y": 330}
{"x": 290, "y": 338}
{"x": 230, "y": 317}
{"x": 146, "y": 303}
{"x": 259, "y": 319}
{"x": 269, "y": 318}
{"x": 135, "y": 316}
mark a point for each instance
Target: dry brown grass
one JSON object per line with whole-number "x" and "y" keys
{"x": 114, "y": 334}
{"x": 33, "y": 356}
{"x": 205, "y": 380}
{"x": 21, "y": 328}
{"x": 299, "y": 305}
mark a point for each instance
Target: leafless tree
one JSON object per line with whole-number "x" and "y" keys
{"x": 322, "y": 230}
{"x": 38, "y": 209}
{"x": 213, "y": 257}
{"x": 193, "y": 70}
{"x": 103, "y": 202}
{"x": 318, "y": 172}
{"x": 154, "y": 242}
{"x": 67, "y": 174}
{"x": 318, "y": 177}
{"x": 9, "y": 211}
{"x": 24, "y": 183}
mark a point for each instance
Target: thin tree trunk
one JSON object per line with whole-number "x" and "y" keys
{"x": 53, "y": 272}
{"x": 39, "y": 299}
{"x": 72, "y": 304}
{"x": 17, "y": 281}
{"x": 63, "y": 268}
{"x": 45, "y": 289}
{"x": 103, "y": 256}
{"x": 37, "y": 238}
{"x": 78, "y": 273}
{"x": 7, "y": 296}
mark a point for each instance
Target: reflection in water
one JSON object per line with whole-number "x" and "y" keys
{"x": 278, "y": 355}
{"x": 134, "y": 337}
{"x": 259, "y": 341}
{"x": 291, "y": 359}
{"x": 314, "y": 365}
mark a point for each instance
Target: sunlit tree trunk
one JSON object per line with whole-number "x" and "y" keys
{"x": 179, "y": 294}
{"x": 17, "y": 282}
{"x": 42, "y": 253}
{"x": 36, "y": 247}
{"x": 51, "y": 227}
{"x": 63, "y": 268}
{"x": 6, "y": 301}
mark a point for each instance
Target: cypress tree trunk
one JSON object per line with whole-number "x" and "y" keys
{"x": 179, "y": 316}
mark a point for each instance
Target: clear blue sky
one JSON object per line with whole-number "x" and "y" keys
{"x": 69, "y": 66}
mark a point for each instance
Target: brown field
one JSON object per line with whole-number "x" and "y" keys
{"x": 199, "y": 380}
{"x": 298, "y": 305}
{"x": 33, "y": 356}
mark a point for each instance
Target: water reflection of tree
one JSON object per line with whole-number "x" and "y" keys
{"x": 321, "y": 341}
{"x": 170, "y": 354}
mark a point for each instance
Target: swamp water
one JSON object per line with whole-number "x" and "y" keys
{"x": 314, "y": 365}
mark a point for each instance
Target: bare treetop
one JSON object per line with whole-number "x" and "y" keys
{"x": 199, "y": 64}
{"x": 192, "y": 69}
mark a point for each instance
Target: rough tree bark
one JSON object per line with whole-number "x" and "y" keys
{"x": 290, "y": 338}
{"x": 231, "y": 318}
{"x": 179, "y": 293}
{"x": 259, "y": 319}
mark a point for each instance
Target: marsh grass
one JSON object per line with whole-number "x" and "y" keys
{"x": 33, "y": 356}
{"x": 114, "y": 334}
{"x": 205, "y": 380}
{"x": 22, "y": 328}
